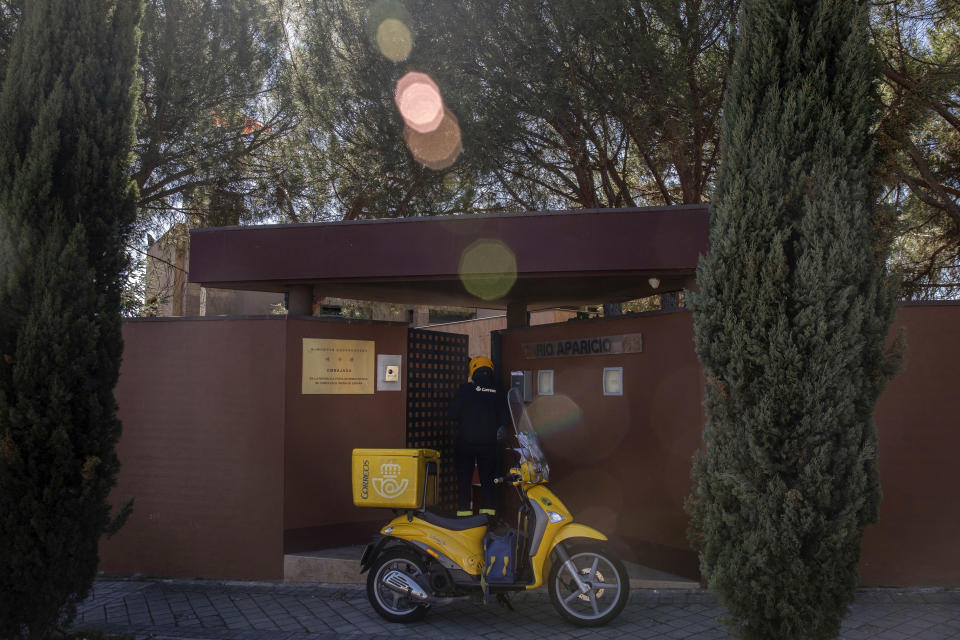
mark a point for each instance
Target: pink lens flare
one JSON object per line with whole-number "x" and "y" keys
{"x": 419, "y": 101}
{"x": 438, "y": 149}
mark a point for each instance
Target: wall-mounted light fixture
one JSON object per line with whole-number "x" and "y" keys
{"x": 613, "y": 381}
{"x": 545, "y": 382}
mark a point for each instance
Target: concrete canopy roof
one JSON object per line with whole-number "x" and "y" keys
{"x": 562, "y": 258}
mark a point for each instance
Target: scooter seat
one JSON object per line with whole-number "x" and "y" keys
{"x": 454, "y": 524}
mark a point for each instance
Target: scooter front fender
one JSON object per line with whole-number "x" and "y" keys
{"x": 576, "y": 530}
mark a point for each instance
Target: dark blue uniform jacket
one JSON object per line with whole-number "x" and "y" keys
{"x": 480, "y": 411}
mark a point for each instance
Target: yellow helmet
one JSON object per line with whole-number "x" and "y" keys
{"x": 478, "y": 362}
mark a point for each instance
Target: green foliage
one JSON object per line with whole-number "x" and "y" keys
{"x": 611, "y": 103}
{"x": 66, "y": 204}
{"x": 918, "y": 42}
{"x": 561, "y": 104}
{"x": 791, "y": 323}
{"x": 350, "y": 147}
{"x": 212, "y": 117}
{"x": 213, "y": 104}
{"x": 10, "y": 13}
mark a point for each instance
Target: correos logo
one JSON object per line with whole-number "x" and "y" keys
{"x": 388, "y": 486}
{"x": 365, "y": 480}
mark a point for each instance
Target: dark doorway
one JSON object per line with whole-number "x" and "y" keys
{"x": 436, "y": 367}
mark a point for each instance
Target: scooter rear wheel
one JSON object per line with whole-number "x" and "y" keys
{"x": 390, "y": 604}
{"x": 606, "y": 579}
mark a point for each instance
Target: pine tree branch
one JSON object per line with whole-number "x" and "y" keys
{"x": 908, "y": 83}
{"x": 943, "y": 200}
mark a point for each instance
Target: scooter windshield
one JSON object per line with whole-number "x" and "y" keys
{"x": 528, "y": 444}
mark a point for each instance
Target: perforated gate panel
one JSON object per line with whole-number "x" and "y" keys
{"x": 436, "y": 367}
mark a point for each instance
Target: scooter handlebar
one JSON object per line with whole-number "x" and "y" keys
{"x": 510, "y": 477}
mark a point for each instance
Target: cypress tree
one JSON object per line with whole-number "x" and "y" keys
{"x": 66, "y": 203}
{"x": 791, "y": 324}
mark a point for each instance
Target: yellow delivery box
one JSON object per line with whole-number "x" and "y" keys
{"x": 395, "y": 478}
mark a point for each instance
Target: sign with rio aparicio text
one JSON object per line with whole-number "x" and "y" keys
{"x": 598, "y": 346}
{"x": 337, "y": 366}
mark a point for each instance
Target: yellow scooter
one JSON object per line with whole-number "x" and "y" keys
{"x": 423, "y": 559}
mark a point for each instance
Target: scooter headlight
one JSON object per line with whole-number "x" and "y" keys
{"x": 555, "y": 517}
{"x": 387, "y": 530}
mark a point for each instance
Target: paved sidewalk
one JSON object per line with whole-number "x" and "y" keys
{"x": 209, "y": 610}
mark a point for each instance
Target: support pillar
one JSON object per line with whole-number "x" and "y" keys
{"x": 612, "y": 309}
{"x": 517, "y": 316}
{"x": 669, "y": 301}
{"x": 300, "y": 300}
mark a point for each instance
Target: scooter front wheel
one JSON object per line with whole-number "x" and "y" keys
{"x": 606, "y": 586}
{"x": 385, "y": 586}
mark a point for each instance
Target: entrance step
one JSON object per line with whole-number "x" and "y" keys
{"x": 342, "y": 566}
{"x": 339, "y": 566}
{"x": 642, "y": 577}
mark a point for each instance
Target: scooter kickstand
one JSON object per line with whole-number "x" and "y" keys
{"x": 504, "y": 601}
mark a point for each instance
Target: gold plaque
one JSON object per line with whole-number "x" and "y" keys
{"x": 338, "y": 366}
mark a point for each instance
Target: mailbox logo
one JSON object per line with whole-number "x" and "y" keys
{"x": 388, "y": 486}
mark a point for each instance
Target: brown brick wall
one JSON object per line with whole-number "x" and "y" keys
{"x": 624, "y": 467}
{"x": 622, "y": 463}
{"x": 227, "y": 460}
{"x": 202, "y": 403}
{"x": 323, "y": 430}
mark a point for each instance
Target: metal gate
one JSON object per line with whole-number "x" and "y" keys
{"x": 436, "y": 367}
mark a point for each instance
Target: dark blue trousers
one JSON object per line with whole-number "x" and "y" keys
{"x": 485, "y": 458}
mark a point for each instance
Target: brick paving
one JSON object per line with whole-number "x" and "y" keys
{"x": 211, "y": 610}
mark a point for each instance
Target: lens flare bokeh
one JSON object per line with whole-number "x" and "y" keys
{"x": 438, "y": 149}
{"x": 488, "y": 269}
{"x": 388, "y": 27}
{"x": 419, "y": 101}
{"x": 551, "y": 414}
{"x": 566, "y": 434}
{"x": 394, "y": 39}
{"x": 451, "y": 181}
